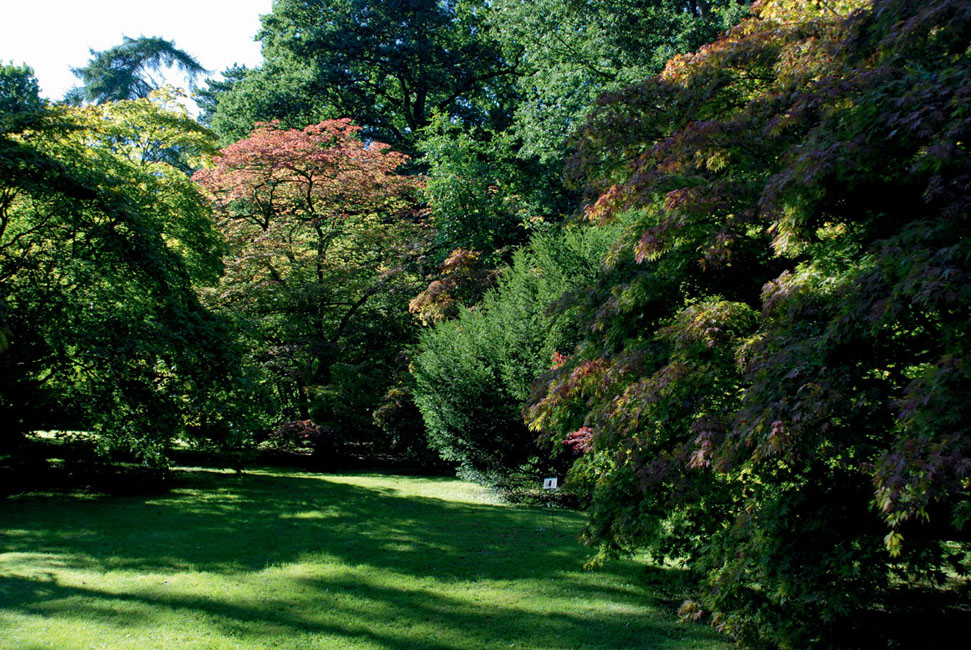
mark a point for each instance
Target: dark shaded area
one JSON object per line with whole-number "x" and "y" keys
{"x": 925, "y": 619}
{"x": 68, "y": 462}
{"x": 349, "y": 456}
{"x": 31, "y": 464}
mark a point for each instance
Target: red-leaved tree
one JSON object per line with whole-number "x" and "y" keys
{"x": 319, "y": 227}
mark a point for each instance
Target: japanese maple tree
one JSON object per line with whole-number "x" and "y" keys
{"x": 104, "y": 243}
{"x": 777, "y": 364}
{"x": 318, "y": 225}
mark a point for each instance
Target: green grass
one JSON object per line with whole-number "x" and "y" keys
{"x": 277, "y": 559}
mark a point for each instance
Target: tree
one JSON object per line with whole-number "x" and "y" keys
{"x": 481, "y": 195}
{"x": 207, "y": 97}
{"x": 102, "y": 248}
{"x": 124, "y": 71}
{"x": 770, "y": 384}
{"x": 389, "y": 64}
{"x": 569, "y": 51}
{"x": 473, "y": 373}
{"x": 319, "y": 226}
{"x": 490, "y": 188}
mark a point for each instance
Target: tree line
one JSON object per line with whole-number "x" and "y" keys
{"x": 705, "y": 260}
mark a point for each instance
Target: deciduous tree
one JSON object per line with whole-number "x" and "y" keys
{"x": 102, "y": 248}
{"x": 570, "y": 51}
{"x": 771, "y": 382}
{"x": 320, "y": 227}
{"x": 389, "y": 64}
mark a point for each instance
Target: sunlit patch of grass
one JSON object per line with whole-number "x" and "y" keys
{"x": 294, "y": 560}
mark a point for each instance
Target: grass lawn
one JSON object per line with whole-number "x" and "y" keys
{"x": 280, "y": 559}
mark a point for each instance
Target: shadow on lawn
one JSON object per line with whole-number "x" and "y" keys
{"x": 383, "y": 616}
{"x": 228, "y": 525}
{"x": 254, "y": 521}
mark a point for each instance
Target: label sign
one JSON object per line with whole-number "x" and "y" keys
{"x": 549, "y": 483}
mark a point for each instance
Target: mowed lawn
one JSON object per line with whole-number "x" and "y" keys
{"x": 279, "y": 559}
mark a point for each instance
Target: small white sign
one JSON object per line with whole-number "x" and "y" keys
{"x": 549, "y": 484}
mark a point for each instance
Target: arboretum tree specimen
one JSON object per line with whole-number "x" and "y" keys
{"x": 320, "y": 228}
{"x": 474, "y": 372}
{"x": 389, "y": 64}
{"x": 774, "y": 382}
{"x": 570, "y": 51}
{"x": 124, "y": 71}
{"x": 102, "y": 248}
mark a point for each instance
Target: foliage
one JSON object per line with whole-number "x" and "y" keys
{"x": 400, "y": 420}
{"x": 481, "y": 194}
{"x": 303, "y": 437}
{"x": 572, "y": 50}
{"x": 776, "y": 354}
{"x": 489, "y": 189}
{"x": 473, "y": 374}
{"x": 320, "y": 228}
{"x": 102, "y": 247}
{"x": 463, "y": 281}
{"x": 20, "y": 102}
{"x": 124, "y": 71}
{"x": 207, "y": 99}
{"x": 388, "y": 64}
{"x": 296, "y": 434}
{"x": 279, "y": 90}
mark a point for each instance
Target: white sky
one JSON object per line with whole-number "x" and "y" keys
{"x": 52, "y": 36}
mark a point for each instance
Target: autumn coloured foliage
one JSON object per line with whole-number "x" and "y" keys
{"x": 319, "y": 227}
{"x": 777, "y": 361}
{"x": 462, "y": 282}
{"x": 283, "y": 187}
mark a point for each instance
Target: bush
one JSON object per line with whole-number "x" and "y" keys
{"x": 473, "y": 374}
{"x": 300, "y": 435}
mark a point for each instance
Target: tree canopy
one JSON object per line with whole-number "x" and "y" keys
{"x": 770, "y": 384}
{"x": 569, "y": 51}
{"x": 387, "y": 64}
{"x": 125, "y": 71}
{"x": 102, "y": 246}
{"x": 317, "y": 223}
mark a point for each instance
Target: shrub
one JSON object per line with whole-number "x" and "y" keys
{"x": 473, "y": 374}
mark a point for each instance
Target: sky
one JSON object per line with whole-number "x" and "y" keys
{"x": 52, "y": 36}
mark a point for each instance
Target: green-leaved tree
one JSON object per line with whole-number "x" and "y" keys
{"x": 125, "y": 71}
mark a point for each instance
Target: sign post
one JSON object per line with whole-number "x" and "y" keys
{"x": 551, "y": 484}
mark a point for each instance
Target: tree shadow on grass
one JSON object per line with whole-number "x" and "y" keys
{"x": 228, "y": 526}
{"x": 255, "y": 521}
{"x": 397, "y": 619}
